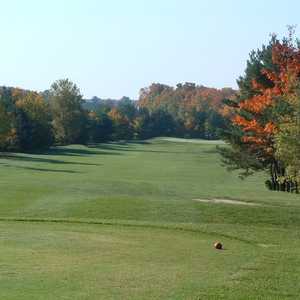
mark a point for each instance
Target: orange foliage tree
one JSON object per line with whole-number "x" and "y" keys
{"x": 256, "y": 119}
{"x": 197, "y": 110}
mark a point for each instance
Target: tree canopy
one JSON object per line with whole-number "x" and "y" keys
{"x": 264, "y": 116}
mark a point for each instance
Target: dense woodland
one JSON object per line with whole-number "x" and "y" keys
{"x": 33, "y": 121}
{"x": 261, "y": 121}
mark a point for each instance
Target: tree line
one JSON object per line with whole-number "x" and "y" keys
{"x": 31, "y": 121}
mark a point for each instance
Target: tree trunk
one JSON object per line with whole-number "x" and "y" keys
{"x": 277, "y": 171}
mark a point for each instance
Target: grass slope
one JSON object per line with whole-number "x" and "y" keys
{"x": 117, "y": 221}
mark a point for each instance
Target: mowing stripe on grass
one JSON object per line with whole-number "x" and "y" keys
{"x": 169, "y": 226}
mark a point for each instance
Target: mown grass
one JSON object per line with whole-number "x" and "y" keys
{"x": 118, "y": 221}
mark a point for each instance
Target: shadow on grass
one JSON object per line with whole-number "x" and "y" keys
{"x": 39, "y": 169}
{"x": 131, "y": 147}
{"x": 27, "y": 158}
{"x": 110, "y": 148}
{"x": 66, "y": 151}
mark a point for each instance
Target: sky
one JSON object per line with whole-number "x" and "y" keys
{"x": 113, "y": 48}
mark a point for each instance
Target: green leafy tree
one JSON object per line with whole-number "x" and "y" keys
{"x": 69, "y": 117}
{"x": 100, "y": 127}
{"x": 287, "y": 141}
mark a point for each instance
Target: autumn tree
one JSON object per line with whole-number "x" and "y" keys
{"x": 122, "y": 125}
{"x": 7, "y": 131}
{"x": 25, "y": 123}
{"x": 33, "y": 121}
{"x": 197, "y": 111}
{"x": 8, "y": 137}
{"x": 257, "y": 113}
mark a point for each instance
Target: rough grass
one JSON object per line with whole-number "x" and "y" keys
{"x": 118, "y": 221}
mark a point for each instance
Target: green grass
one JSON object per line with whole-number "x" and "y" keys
{"x": 118, "y": 221}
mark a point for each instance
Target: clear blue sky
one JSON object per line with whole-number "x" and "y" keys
{"x": 112, "y": 48}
